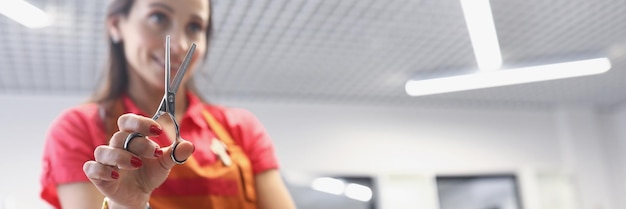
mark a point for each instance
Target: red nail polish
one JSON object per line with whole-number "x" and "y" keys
{"x": 158, "y": 152}
{"x": 154, "y": 129}
{"x": 115, "y": 175}
{"x": 136, "y": 162}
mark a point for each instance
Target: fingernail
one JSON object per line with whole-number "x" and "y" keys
{"x": 115, "y": 175}
{"x": 135, "y": 162}
{"x": 154, "y": 129}
{"x": 158, "y": 152}
{"x": 194, "y": 148}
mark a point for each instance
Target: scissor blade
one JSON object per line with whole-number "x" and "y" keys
{"x": 182, "y": 69}
{"x": 167, "y": 62}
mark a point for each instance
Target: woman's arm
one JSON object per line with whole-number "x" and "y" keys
{"x": 79, "y": 196}
{"x": 271, "y": 191}
{"x": 128, "y": 176}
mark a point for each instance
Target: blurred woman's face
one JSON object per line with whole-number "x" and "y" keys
{"x": 144, "y": 30}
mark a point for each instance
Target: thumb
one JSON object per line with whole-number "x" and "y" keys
{"x": 179, "y": 151}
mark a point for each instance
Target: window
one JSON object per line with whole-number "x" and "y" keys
{"x": 478, "y": 192}
{"x": 346, "y": 192}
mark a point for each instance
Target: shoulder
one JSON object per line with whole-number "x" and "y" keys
{"x": 76, "y": 131}
{"x": 76, "y": 122}
{"x": 233, "y": 116}
{"x": 83, "y": 114}
{"x": 242, "y": 124}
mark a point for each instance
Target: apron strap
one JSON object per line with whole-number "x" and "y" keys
{"x": 242, "y": 161}
{"x": 217, "y": 127}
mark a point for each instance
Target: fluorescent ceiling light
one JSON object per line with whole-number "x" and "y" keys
{"x": 24, "y": 13}
{"x": 358, "y": 192}
{"x": 507, "y": 77}
{"x": 328, "y": 185}
{"x": 482, "y": 32}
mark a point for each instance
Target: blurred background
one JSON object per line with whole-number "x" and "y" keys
{"x": 330, "y": 81}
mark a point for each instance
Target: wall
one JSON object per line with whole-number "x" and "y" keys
{"x": 371, "y": 139}
{"x": 615, "y": 123}
{"x": 25, "y": 120}
{"x": 584, "y": 136}
{"x": 399, "y": 145}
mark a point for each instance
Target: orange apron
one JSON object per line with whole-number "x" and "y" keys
{"x": 212, "y": 186}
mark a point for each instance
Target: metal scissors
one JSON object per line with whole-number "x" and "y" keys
{"x": 167, "y": 105}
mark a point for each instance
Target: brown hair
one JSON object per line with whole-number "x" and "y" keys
{"x": 115, "y": 75}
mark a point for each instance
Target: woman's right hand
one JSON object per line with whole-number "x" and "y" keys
{"x": 128, "y": 178}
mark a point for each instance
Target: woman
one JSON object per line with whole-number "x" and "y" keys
{"x": 84, "y": 160}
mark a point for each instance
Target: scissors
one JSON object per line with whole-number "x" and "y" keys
{"x": 167, "y": 105}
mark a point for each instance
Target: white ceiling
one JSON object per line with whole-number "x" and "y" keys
{"x": 340, "y": 51}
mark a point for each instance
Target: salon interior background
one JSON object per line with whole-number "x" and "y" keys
{"x": 328, "y": 78}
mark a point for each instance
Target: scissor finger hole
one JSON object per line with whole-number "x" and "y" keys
{"x": 173, "y": 153}
{"x": 129, "y": 139}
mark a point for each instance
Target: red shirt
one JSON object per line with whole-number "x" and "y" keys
{"x": 74, "y": 135}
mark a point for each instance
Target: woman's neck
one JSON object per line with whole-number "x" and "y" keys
{"x": 147, "y": 98}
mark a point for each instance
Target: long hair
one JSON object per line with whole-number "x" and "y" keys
{"x": 114, "y": 82}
